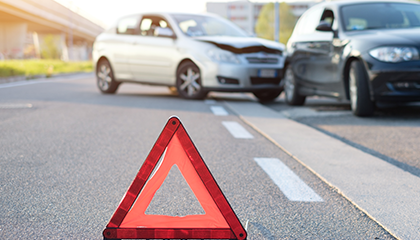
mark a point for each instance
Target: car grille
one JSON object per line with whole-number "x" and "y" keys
{"x": 262, "y": 60}
{"x": 258, "y": 81}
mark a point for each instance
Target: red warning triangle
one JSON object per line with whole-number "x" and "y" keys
{"x": 174, "y": 147}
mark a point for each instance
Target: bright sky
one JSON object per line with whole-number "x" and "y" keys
{"x": 108, "y": 11}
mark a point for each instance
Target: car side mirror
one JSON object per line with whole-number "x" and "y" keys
{"x": 164, "y": 32}
{"x": 324, "y": 27}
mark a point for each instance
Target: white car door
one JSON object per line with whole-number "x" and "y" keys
{"x": 151, "y": 58}
{"x": 119, "y": 46}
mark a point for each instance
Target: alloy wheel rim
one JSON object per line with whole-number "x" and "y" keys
{"x": 289, "y": 84}
{"x": 190, "y": 83}
{"x": 353, "y": 89}
{"x": 104, "y": 77}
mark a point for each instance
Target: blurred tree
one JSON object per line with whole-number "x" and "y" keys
{"x": 49, "y": 49}
{"x": 265, "y": 24}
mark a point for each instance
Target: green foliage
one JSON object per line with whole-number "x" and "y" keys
{"x": 49, "y": 48}
{"x": 265, "y": 24}
{"x": 29, "y": 68}
{"x": 7, "y": 70}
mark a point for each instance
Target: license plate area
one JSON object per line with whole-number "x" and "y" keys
{"x": 267, "y": 73}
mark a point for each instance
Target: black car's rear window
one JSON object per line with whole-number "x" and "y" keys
{"x": 380, "y": 16}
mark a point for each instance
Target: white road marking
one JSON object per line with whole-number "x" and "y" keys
{"x": 210, "y": 101}
{"x": 237, "y": 130}
{"x": 288, "y": 182}
{"x": 21, "y": 83}
{"x": 15, "y": 105}
{"x": 219, "y": 111}
{"x": 44, "y": 80}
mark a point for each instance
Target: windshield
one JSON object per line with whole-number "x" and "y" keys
{"x": 380, "y": 16}
{"x": 196, "y": 25}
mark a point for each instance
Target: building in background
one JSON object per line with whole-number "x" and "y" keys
{"x": 245, "y": 13}
{"x": 35, "y": 28}
{"x": 242, "y": 13}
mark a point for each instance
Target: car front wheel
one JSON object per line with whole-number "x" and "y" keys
{"x": 361, "y": 103}
{"x": 291, "y": 90}
{"x": 188, "y": 82}
{"x": 105, "y": 77}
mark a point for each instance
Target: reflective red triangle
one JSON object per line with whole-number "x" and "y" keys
{"x": 130, "y": 221}
{"x": 175, "y": 154}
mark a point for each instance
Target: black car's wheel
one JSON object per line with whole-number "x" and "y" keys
{"x": 105, "y": 77}
{"x": 361, "y": 103}
{"x": 291, "y": 89}
{"x": 188, "y": 82}
{"x": 267, "y": 95}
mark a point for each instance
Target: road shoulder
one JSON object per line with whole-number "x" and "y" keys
{"x": 55, "y": 78}
{"x": 388, "y": 194}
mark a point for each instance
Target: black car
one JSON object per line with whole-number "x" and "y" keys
{"x": 363, "y": 51}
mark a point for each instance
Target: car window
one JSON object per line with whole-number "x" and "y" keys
{"x": 188, "y": 25}
{"x": 127, "y": 25}
{"x": 196, "y": 25}
{"x": 380, "y": 16}
{"x": 150, "y": 23}
{"x": 328, "y": 17}
{"x": 145, "y": 26}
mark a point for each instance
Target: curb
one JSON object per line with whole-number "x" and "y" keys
{"x": 387, "y": 194}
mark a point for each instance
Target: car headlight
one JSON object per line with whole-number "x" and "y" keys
{"x": 219, "y": 55}
{"x": 395, "y": 54}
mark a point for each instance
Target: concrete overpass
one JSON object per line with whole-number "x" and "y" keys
{"x": 24, "y": 24}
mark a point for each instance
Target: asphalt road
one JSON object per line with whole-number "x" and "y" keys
{"x": 392, "y": 133}
{"x": 69, "y": 153}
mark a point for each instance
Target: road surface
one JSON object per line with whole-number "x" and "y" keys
{"x": 69, "y": 154}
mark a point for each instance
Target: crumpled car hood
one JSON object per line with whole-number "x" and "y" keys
{"x": 243, "y": 44}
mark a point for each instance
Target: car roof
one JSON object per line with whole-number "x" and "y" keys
{"x": 162, "y": 13}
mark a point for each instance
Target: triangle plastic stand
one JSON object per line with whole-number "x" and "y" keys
{"x": 174, "y": 147}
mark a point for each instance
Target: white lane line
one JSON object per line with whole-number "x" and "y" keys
{"x": 210, "y": 101}
{"x": 45, "y": 80}
{"x": 288, "y": 182}
{"x": 237, "y": 130}
{"x": 219, "y": 111}
{"x": 15, "y": 105}
{"x": 22, "y": 83}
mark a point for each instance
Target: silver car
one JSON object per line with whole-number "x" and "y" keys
{"x": 194, "y": 53}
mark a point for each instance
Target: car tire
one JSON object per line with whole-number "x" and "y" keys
{"x": 188, "y": 82}
{"x": 361, "y": 103}
{"x": 105, "y": 77}
{"x": 291, "y": 89}
{"x": 268, "y": 95}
